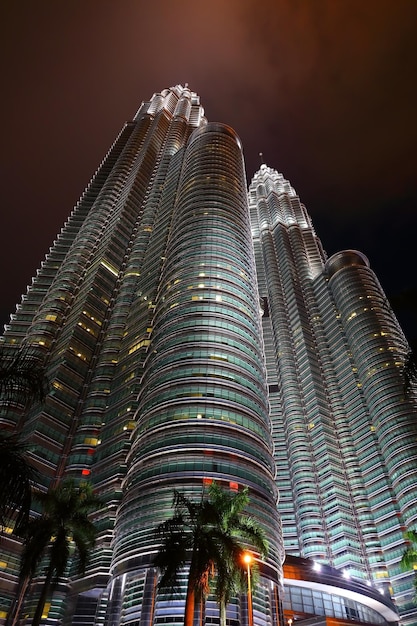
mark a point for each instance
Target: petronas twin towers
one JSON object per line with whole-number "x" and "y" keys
{"x": 194, "y": 333}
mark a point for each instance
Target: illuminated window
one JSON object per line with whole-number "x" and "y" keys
{"x": 91, "y": 441}
{"x": 138, "y": 345}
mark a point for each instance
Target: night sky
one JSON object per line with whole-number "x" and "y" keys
{"x": 325, "y": 89}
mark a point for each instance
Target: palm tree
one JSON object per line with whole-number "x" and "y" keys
{"x": 207, "y": 534}
{"x": 186, "y": 535}
{"x": 409, "y": 559}
{"x": 240, "y": 527}
{"x": 63, "y": 525}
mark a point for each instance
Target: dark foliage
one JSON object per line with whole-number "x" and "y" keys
{"x": 16, "y": 479}
{"x": 22, "y": 376}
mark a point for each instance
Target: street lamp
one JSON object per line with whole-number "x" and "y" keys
{"x": 247, "y": 559}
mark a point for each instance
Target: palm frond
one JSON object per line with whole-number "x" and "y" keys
{"x": 38, "y": 534}
{"x": 208, "y": 534}
{"x": 409, "y": 558}
{"x": 64, "y": 518}
{"x": 250, "y": 530}
{"x": 22, "y": 376}
{"x": 170, "y": 559}
{"x": 60, "y": 553}
{"x": 16, "y": 479}
{"x": 84, "y": 534}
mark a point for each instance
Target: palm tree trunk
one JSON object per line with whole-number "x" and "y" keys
{"x": 190, "y": 598}
{"x": 42, "y": 598}
{"x": 222, "y": 612}
{"x": 14, "y": 611}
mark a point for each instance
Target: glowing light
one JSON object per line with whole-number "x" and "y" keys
{"x": 247, "y": 558}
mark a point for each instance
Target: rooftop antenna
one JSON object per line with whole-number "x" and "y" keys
{"x": 262, "y": 158}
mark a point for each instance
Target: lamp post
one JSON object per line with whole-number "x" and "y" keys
{"x": 247, "y": 559}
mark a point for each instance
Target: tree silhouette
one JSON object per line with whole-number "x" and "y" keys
{"x": 208, "y": 535}
{"x": 231, "y": 577}
{"x": 16, "y": 479}
{"x": 22, "y": 377}
{"x": 22, "y": 381}
{"x": 63, "y": 527}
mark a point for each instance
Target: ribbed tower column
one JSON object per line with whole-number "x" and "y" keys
{"x": 203, "y": 410}
{"x": 378, "y": 346}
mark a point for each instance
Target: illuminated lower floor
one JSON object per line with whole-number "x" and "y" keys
{"x": 310, "y": 596}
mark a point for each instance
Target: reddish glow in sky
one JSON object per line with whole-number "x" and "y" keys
{"x": 325, "y": 89}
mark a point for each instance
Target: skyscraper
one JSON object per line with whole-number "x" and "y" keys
{"x": 146, "y": 315}
{"x": 165, "y": 374}
{"x": 344, "y": 431}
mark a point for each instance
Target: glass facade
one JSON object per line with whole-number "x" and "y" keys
{"x": 192, "y": 335}
{"x": 344, "y": 432}
{"x": 300, "y": 600}
{"x": 146, "y": 315}
{"x": 322, "y": 593}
